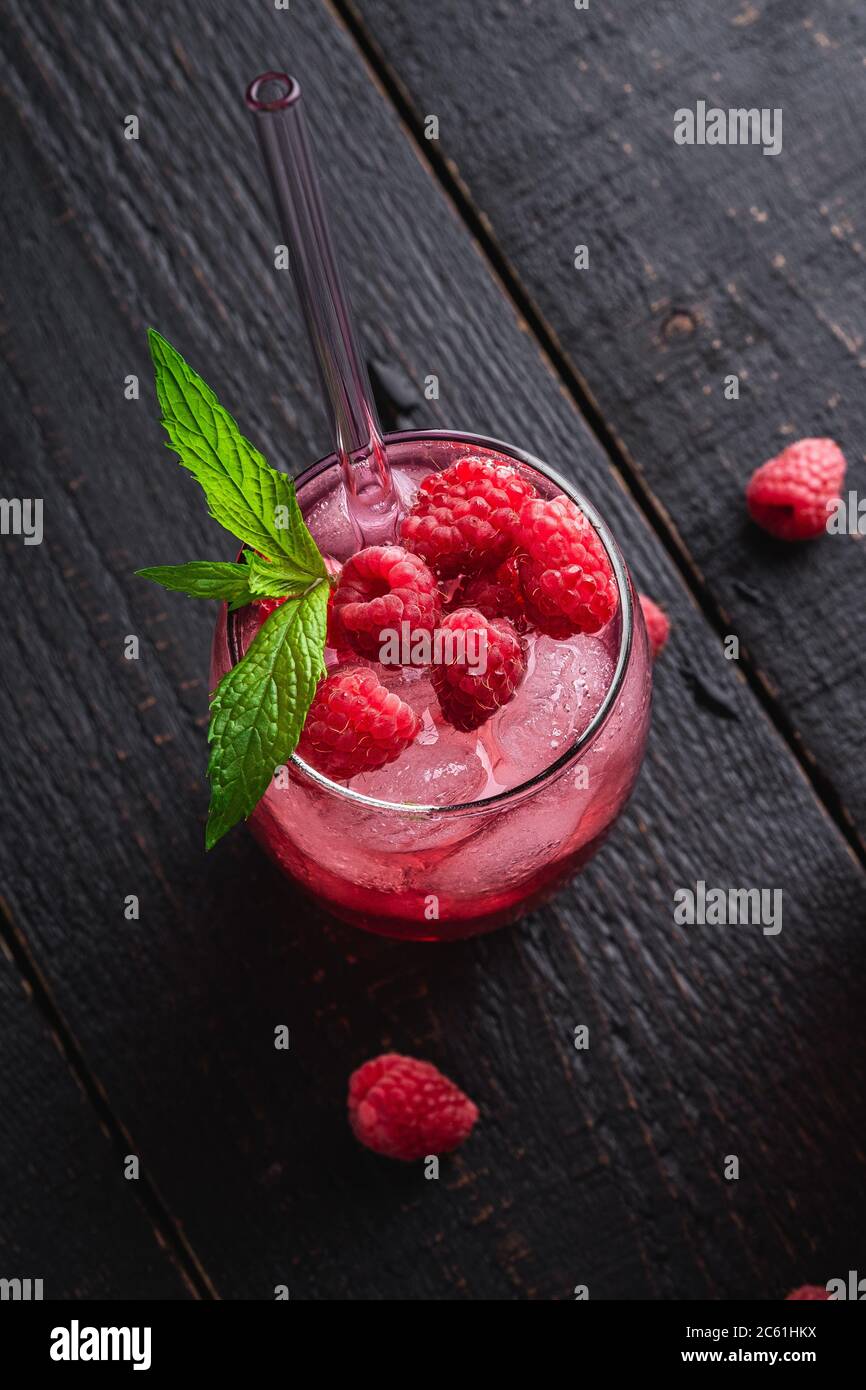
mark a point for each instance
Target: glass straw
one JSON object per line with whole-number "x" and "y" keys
{"x": 275, "y": 100}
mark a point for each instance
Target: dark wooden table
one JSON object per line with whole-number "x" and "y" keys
{"x": 154, "y": 1037}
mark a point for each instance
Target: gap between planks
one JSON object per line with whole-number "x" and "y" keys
{"x": 167, "y": 1233}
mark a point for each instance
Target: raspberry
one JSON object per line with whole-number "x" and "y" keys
{"x": 407, "y": 1109}
{"x": 658, "y": 625}
{"x": 379, "y": 589}
{"x": 355, "y": 725}
{"x": 567, "y": 581}
{"x": 789, "y": 494}
{"x": 267, "y": 606}
{"x": 463, "y": 519}
{"x": 808, "y": 1291}
{"x": 467, "y": 700}
{"x": 496, "y": 594}
{"x": 335, "y": 637}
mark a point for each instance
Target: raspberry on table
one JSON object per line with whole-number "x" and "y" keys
{"x": 406, "y": 1109}
{"x": 496, "y": 594}
{"x": 355, "y": 725}
{"x": 814, "y": 1292}
{"x": 658, "y": 625}
{"x": 789, "y": 494}
{"x": 463, "y": 519}
{"x": 379, "y": 589}
{"x": 567, "y": 581}
{"x": 469, "y": 692}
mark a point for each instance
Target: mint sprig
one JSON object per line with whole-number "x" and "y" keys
{"x": 258, "y": 709}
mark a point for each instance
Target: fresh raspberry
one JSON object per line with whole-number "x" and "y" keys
{"x": 266, "y": 606}
{"x": 808, "y": 1291}
{"x": 355, "y": 725}
{"x": 379, "y": 589}
{"x": 789, "y": 494}
{"x": 463, "y": 519}
{"x": 658, "y": 627}
{"x": 467, "y": 700}
{"x": 567, "y": 581}
{"x": 335, "y": 637}
{"x": 407, "y": 1109}
{"x": 496, "y": 594}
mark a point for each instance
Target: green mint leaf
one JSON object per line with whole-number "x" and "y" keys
{"x": 259, "y": 707}
{"x": 301, "y": 549}
{"x": 244, "y": 494}
{"x": 205, "y": 579}
{"x": 276, "y": 579}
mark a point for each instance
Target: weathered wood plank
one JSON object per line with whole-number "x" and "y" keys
{"x": 704, "y": 261}
{"x": 602, "y": 1167}
{"x": 68, "y": 1216}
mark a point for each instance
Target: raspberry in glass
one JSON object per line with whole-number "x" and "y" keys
{"x": 267, "y": 606}
{"x": 496, "y": 594}
{"x": 463, "y": 519}
{"x": 379, "y": 589}
{"x": 355, "y": 725}
{"x": 566, "y": 578}
{"x": 487, "y": 674}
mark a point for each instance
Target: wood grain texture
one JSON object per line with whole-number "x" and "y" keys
{"x": 68, "y": 1216}
{"x": 602, "y": 1167}
{"x": 704, "y": 261}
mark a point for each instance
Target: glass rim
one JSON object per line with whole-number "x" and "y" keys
{"x": 498, "y": 800}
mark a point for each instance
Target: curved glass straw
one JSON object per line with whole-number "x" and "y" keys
{"x": 275, "y": 100}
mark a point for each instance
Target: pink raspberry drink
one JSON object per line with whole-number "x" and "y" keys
{"x": 487, "y": 697}
{"x": 430, "y": 674}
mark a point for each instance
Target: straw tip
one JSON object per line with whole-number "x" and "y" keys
{"x": 272, "y": 91}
